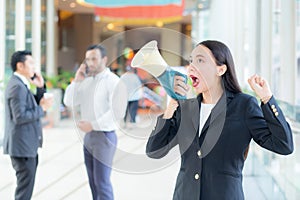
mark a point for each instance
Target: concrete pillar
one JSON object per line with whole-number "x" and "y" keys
{"x": 20, "y": 25}
{"x": 238, "y": 39}
{"x": 50, "y": 38}
{"x": 266, "y": 40}
{"x": 258, "y": 12}
{"x": 83, "y": 24}
{"x": 36, "y": 33}
{"x": 288, "y": 65}
{"x": 2, "y": 38}
{"x": 251, "y": 44}
{"x": 200, "y": 22}
{"x": 170, "y": 44}
{"x": 2, "y": 65}
{"x": 196, "y": 24}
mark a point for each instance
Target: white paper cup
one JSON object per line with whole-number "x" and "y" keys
{"x": 48, "y": 95}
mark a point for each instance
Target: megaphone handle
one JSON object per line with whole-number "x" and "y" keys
{"x": 167, "y": 81}
{"x": 176, "y": 73}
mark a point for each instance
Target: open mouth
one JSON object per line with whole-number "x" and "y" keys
{"x": 195, "y": 80}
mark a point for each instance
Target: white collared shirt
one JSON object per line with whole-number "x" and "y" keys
{"x": 204, "y": 114}
{"x": 102, "y": 100}
{"x": 23, "y": 78}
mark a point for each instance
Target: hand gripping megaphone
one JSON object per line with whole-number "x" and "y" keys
{"x": 149, "y": 59}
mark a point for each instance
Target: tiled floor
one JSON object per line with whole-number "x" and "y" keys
{"x": 61, "y": 172}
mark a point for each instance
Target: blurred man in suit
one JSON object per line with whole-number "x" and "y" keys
{"x": 23, "y": 129}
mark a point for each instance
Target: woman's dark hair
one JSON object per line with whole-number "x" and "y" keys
{"x": 223, "y": 57}
{"x": 18, "y": 56}
{"x": 100, "y": 48}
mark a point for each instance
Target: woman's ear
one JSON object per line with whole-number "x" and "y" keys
{"x": 221, "y": 70}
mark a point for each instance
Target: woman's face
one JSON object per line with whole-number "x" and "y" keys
{"x": 203, "y": 69}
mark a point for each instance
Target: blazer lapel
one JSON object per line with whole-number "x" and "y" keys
{"x": 220, "y": 108}
{"x": 17, "y": 79}
{"x": 195, "y": 109}
{"x": 26, "y": 88}
{"x": 212, "y": 130}
{"x": 196, "y": 117}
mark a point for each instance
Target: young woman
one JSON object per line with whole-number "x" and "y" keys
{"x": 214, "y": 130}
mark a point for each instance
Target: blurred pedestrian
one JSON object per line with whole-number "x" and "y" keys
{"x": 135, "y": 93}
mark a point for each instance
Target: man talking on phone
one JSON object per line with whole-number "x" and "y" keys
{"x": 94, "y": 89}
{"x": 23, "y": 128}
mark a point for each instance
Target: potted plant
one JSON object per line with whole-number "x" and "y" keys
{"x": 57, "y": 85}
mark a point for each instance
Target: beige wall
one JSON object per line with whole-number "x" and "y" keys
{"x": 76, "y": 34}
{"x": 81, "y": 30}
{"x": 83, "y": 26}
{"x": 171, "y": 44}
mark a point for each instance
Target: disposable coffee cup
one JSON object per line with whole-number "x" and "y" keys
{"x": 48, "y": 95}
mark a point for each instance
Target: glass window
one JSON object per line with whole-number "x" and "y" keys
{"x": 10, "y": 35}
{"x": 28, "y": 28}
{"x": 43, "y": 35}
{"x": 276, "y": 46}
{"x": 298, "y": 53}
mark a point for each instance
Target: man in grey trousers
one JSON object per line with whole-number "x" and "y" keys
{"x": 23, "y": 129}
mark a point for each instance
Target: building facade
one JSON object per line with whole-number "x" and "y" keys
{"x": 263, "y": 35}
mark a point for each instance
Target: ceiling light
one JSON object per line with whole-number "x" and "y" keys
{"x": 84, "y": 3}
{"x": 110, "y": 26}
{"x": 159, "y": 24}
{"x": 72, "y": 5}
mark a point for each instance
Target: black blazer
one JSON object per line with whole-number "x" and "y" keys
{"x": 23, "y": 129}
{"x": 212, "y": 164}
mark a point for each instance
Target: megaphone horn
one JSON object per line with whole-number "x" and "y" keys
{"x": 149, "y": 59}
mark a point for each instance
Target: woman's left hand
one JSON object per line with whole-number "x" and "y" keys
{"x": 261, "y": 87}
{"x": 180, "y": 87}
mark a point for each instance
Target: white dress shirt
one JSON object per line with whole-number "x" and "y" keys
{"x": 23, "y": 78}
{"x": 102, "y": 100}
{"x": 204, "y": 114}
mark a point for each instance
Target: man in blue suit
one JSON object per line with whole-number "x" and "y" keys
{"x": 23, "y": 129}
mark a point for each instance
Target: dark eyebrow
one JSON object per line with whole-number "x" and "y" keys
{"x": 200, "y": 55}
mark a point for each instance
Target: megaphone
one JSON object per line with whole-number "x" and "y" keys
{"x": 149, "y": 59}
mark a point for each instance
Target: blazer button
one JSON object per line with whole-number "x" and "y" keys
{"x": 276, "y": 114}
{"x": 272, "y": 106}
{"x": 199, "y": 153}
{"x": 274, "y": 110}
{"x": 197, "y": 176}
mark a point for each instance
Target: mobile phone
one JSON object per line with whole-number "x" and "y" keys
{"x": 87, "y": 71}
{"x": 34, "y": 76}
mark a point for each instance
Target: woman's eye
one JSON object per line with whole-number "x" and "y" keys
{"x": 200, "y": 60}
